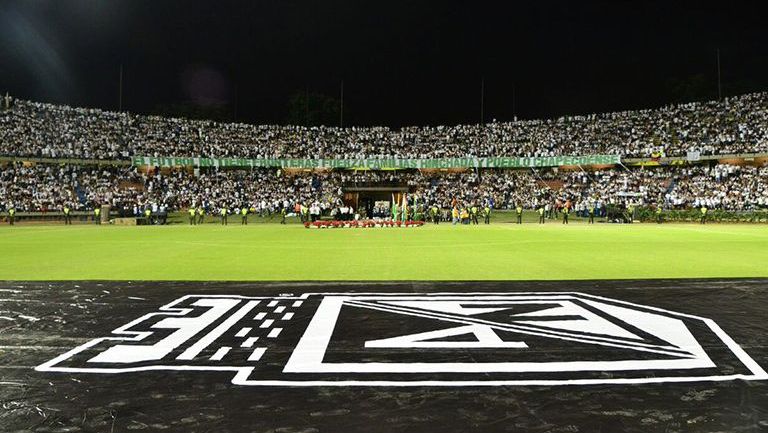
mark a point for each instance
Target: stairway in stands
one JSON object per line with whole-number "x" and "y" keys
{"x": 555, "y": 185}
{"x": 80, "y": 193}
{"x": 670, "y": 186}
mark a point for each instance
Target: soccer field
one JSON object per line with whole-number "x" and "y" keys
{"x": 444, "y": 252}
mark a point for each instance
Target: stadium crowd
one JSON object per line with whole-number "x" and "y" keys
{"x": 734, "y": 125}
{"x": 50, "y": 188}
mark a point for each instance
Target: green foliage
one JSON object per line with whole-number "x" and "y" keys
{"x": 189, "y": 110}
{"x": 714, "y": 215}
{"x": 313, "y": 109}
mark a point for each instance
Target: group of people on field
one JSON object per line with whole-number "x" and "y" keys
{"x": 152, "y": 195}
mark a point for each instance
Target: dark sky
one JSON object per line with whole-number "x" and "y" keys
{"x": 402, "y": 63}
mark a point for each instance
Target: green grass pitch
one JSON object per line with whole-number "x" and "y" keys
{"x": 262, "y": 251}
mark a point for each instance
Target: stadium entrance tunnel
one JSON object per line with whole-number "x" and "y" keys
{"x": 634, "y": 356}
{"x": 373, "y": 198}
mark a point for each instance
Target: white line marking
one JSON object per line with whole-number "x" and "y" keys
{"x": 274, "y": 332}
{"x": 279, "y": 310}
{"x": 204, "y": 342}
{"x": 249, "y": 342}
{"x": 266, "y": 324}
{"x": 272, "y": 304}
{"x": 257, "y": 354}
{"x": 184, "y": 328}
{"x": 288, "y": 316}
{"x": 260, "y": 316}
{"x": 124, "y": 334}
{"x": 220, "y": 353}
{"x": 518, "y": 328}
{"x": 298, "y": 303}
{"x": 243, "y": 332}
{"x": 241, "y": 378}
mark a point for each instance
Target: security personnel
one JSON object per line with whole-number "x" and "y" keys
{"x": 283, "y": 212}
{"x": 464, "y": 215}
{"x": 566, "y": 211}
{"x": 200, "y": 214}
{"x": 473, "y": 212}
{"x": 631, "y": 213}
{"x": 658, "y": 214}
{"x": 519, "y": 213}
{"x": 148, "y": 215}
{"x": 435, "y": 214}
{"x": 192, "y": 212}
{"x": 11, "y": 215}
{"x": 244, "y": 216}
{"x": 67, "y": 215}
{"x": 97, "y": 214}
{"x": 704, "y": 211}
{"x": 303, "y": 213}
{"x": 487, "y": 214}
{"x": 541, "y": 214}
{"x": 591, "y": 213}
{"x": 223, "y": 212}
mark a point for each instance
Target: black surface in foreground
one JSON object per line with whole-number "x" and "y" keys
{"x": 40, "y": 322}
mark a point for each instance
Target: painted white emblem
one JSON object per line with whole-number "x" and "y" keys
{"x": 444, "y": 339}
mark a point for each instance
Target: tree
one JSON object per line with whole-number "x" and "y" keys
{"x": 189, "y": 110}
{"x": 697, "y": 87}
{"x": 313, "y": 109}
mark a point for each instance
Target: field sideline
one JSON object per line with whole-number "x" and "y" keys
{"x": 274, "y": 252}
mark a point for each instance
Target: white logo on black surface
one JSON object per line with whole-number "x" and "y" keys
{"x": 440, "y": 339}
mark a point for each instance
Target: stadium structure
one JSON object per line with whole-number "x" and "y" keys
{"x": 677, "y": 160}
{"x": 597, "y": 273}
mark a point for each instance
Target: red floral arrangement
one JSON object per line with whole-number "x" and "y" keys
{"x": 361, "y": 224}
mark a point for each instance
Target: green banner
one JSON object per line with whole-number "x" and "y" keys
{"x": 383, "y": 163}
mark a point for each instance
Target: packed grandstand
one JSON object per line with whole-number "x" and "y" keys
{"x": 710, "y": 154}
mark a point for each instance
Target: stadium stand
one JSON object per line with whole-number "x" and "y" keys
{"x": 59, "y": 134}
{"x": 46, "y": 188}
{"x": 734, "y": 125}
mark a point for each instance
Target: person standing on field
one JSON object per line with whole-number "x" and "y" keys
{"x": 487, "y": 214}
{"x": 704, "y": 211}
{"x": 11, "y": 214}
{"x": 464, "y": 216}
{"x": 592, "y": 213}
{"x": 223, "y": 212}
{"x": 473, "y": 214}
{"x": 244, "y": 216}
{"x": 283, "y": 212}
{"x": 97, "y": 214}
{"x": 519, "y": 213}
{"x": 566, "y": 211}
{"x": 658, "y": 214}
{"x": 67, "y": 215}
{"x": 192, "y": 215}
{"x": 541, "y": 214}
{"x": 303, "y": 213}
{"x": 200, "y": 215}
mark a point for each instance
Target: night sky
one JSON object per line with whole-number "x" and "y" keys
{"x": 402, "y": 63}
